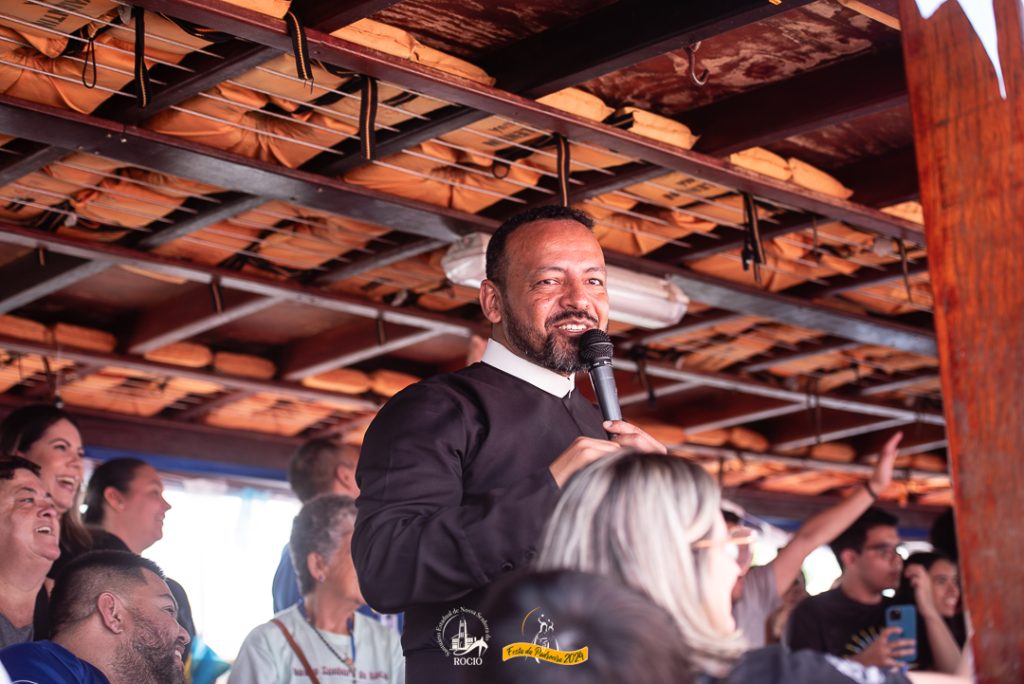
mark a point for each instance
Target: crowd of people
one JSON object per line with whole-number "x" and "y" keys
{"x": 495, "y": 521}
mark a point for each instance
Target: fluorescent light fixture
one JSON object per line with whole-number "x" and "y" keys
{"x": 634, "y": 298}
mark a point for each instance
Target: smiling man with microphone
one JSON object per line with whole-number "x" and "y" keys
{"x": 459, "y": 473}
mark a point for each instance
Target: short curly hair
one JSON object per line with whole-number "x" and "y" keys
{"x": 319, "y": 528}
{"x": 496, "y": 262}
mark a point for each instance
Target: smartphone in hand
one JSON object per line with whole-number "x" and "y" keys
{"x": 904, "y": 616}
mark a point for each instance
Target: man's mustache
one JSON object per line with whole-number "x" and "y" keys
{"x": 571, "y": 314}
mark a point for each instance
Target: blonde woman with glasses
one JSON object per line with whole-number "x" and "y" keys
{"x": 653, "y": 522}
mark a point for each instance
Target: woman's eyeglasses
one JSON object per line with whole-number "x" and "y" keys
{"x": 737, "y": 545}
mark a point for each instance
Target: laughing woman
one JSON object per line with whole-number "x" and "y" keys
{"x": 49, "y": 437}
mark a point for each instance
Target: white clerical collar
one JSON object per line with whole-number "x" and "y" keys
{"x": 497, "y": 355}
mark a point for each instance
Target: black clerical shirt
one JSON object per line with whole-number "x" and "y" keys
{"x": 455, "y": 491}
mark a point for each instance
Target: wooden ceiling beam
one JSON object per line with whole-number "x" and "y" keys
{"x": 618, "y": 35}
{"x": 753, "y": 301}
{"x": 141, "y": 364}
{"x": 226, "y": 206}
{"x": 236, "y": 57}
{"x": 29, "y": 158}
{"x": 700, "y": 246}
{"x": 591, "y": 184}
{"x": 347, "y": 345}
{"x": 658, "y": 392}
{"x": 915, "y": 378}
{"x": 689, "y": 325}
{"x": 135, "y": 435}
{"x": 45, "y": 390}
{"x": 800, "y": 433}
{"x": 298, "y": 293}
{"x": 795, "y": 462}
{"x": 177, "y": 157}
{"x": 762, "y": 389}
{"x": 729, "y": 411}
{"x": 798, "y": 507}
{"x": 407, "y": 250}
{"x": 199, "y": 410}
{"x": 203, "y": 71}
{"x": 331, "y": 15}
{"x": 346, "y": 155}
{"x": 192, "y": 312}
{"x": 865, "y": 277}
{"x": 272, "y": 32}
{"x": 877, "y": 182}
{"x": 36, "y": 275}
{"x": 881, "y": 181}
{"x": 917, "y": 439}
{"x": 88, "y": 250}
{"x": 805, "y": 350}
{"x": 842, "y": 91}
{"x": 721, "y": 381}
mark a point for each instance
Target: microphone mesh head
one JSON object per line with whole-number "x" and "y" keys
{"x": 595, "y": 346}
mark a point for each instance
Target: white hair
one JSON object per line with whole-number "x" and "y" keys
{"x": 634, "y": 517}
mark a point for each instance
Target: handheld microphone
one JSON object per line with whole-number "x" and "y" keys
{"x": 596, "y": 355}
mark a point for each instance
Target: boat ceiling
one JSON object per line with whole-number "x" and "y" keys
{"x": 227, "y": 261}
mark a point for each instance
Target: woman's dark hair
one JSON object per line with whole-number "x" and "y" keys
{"x": 9, "y": 464}
{"x": 117, "y": 473}
{"x": 24, "y": 426}
{"x": 21, "y": 429}
{"x": 905, "y": 592}
{"x": 905, "y": 595}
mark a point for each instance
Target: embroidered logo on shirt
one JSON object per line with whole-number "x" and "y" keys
{"x": 544, "y": 646}
{"x": 463, "y": 635}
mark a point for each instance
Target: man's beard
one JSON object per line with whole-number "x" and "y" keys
{"x": 558, "y": 353}
{"x": 148, "y": 659}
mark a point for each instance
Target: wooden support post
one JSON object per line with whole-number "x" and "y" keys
{"x": 970, "y": 157}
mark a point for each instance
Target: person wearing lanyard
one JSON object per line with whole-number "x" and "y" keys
{"x": 323, "y": 638}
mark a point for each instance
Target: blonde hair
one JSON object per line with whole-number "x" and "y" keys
{"x": 634, "y": 517}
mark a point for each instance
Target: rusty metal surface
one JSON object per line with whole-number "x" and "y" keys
{"x": 970, "y": 156}
{"x": 769, "y": 51}
{"x": 838, "y": 146}
{"x": 467, "y": 28}
{"x": 103, "y": 299}
{"x": 277, "y": 325}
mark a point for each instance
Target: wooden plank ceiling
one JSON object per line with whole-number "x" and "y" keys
{"x": 225, "y": 259}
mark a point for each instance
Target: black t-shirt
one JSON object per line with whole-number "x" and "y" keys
{"x": 834, "y": 623}
{"x": 779, "y": 665}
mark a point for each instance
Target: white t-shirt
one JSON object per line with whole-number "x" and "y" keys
{"x": 266, "y": 657}
{"x": 760, "y": 598}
